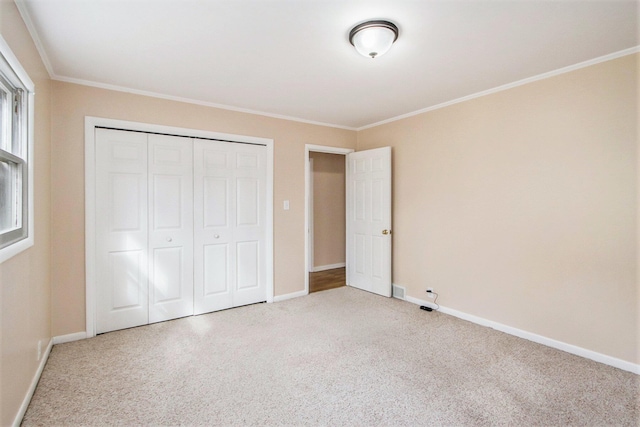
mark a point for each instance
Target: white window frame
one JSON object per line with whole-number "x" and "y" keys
{"x": 17, "y": 76}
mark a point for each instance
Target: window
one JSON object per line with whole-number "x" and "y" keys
{"x": 16, "y": 155}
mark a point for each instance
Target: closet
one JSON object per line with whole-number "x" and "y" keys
{"x": 179, "y": 227}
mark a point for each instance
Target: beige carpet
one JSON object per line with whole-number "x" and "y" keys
{"x": 339, "y": 357}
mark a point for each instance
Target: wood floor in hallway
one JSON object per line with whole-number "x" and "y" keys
{"x": 328, "y": 279}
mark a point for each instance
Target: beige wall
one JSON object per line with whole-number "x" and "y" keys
{"x": 71, "y": 103}
{"x": 328, "y": 209}
{"x": 25, "y": 316}
{"x": 521, "y": 206}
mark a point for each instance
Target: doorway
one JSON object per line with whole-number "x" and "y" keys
{"x": 327, "y": 225}
{"x": 368, "y": 217}
{"x": 325, "y": 217}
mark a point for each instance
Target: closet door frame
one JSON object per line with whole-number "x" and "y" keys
{"x": 90, "y": 124}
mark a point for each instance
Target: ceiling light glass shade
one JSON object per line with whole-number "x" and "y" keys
{"x": 373, "y": 38}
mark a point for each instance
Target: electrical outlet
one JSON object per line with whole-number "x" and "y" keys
{"x": 429, "y": 289}
{"x": 39, "y": 349}
{"x": 430, "y": 293}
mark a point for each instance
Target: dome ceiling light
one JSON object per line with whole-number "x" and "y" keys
{"x": 373, "y": 38}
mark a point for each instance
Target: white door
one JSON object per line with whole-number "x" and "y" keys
{"x": 144, "y": 228}
{"x": 170, "y": 227}
{"x": 121, "y": 230}
{"x": 230, "y": 229}
{"x": 369, "y": 220}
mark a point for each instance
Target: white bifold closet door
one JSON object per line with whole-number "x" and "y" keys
{"x": 170, "y": 227}
{"x": 122, "y": 229}
{"x": 144, "y": 228}
{"x": 180, "y": 227}
{"x": 230, "y": 214}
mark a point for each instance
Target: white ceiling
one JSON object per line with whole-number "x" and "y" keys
{"x": 292, "y": 57}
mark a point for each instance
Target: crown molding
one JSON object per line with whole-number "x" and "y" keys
{"x": 26, "y": 17}
{"x": 195, "y": 101}
{"x": 508, "y": 86}
{"x": 22, "y": 8}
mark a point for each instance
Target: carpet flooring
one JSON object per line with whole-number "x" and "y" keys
{"x": 333, "y": 358}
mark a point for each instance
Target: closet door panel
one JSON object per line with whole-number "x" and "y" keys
{"x": 125, "y": 279}
{"x": 214, "y": 213}
{"x": 215, "y": 197}
{"x": 216, "y": 266}
{"x": 170, "y": 199}
{"x": 121, "y": 230}
{"x": 168, "y": 196}
{"x": 230, "y": 186}
{"x": 168, "y": 282}
{"x": 247, "y": 202}
{"x": 247, "y": 272}
{"x": 250, "y": 228}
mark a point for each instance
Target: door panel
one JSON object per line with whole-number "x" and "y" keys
{"x": 247, "y": 160}
{"x": 250, "y": 232}
{"x": 170, "y": 227}
{"x": 247, "y": 269}
{"x": 167, "y": 275}
{"x": 216, "y": 207}
{"x": 368, "y": 216}
{"x": 121, "y": 230}
{"x": 125, "y": 279}
{"x": 247, "y": 202}
{"x": 216, "y": 262}
{"x": 167, "y": 191}
{"x": 213, "y": 209}
{"x": 229, "y": 183}
{"x": 126, "y": 192}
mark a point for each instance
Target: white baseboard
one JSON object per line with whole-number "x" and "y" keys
{"x": 32, "y": 386}
{"x": 328, "y": 267}
{"x": 70, "y": 337}
{"x": 569, "y": 348}
{"x": 290, "y": 296}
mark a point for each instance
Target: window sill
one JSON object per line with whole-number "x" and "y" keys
{"x": 14, "y": 249}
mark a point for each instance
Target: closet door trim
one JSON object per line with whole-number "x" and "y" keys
{"x": 90, "y": 124}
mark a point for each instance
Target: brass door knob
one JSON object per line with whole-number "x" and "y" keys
{"x": 385, "y": 232}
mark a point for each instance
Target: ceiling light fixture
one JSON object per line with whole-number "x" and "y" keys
{"x": 373, "y": 38}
